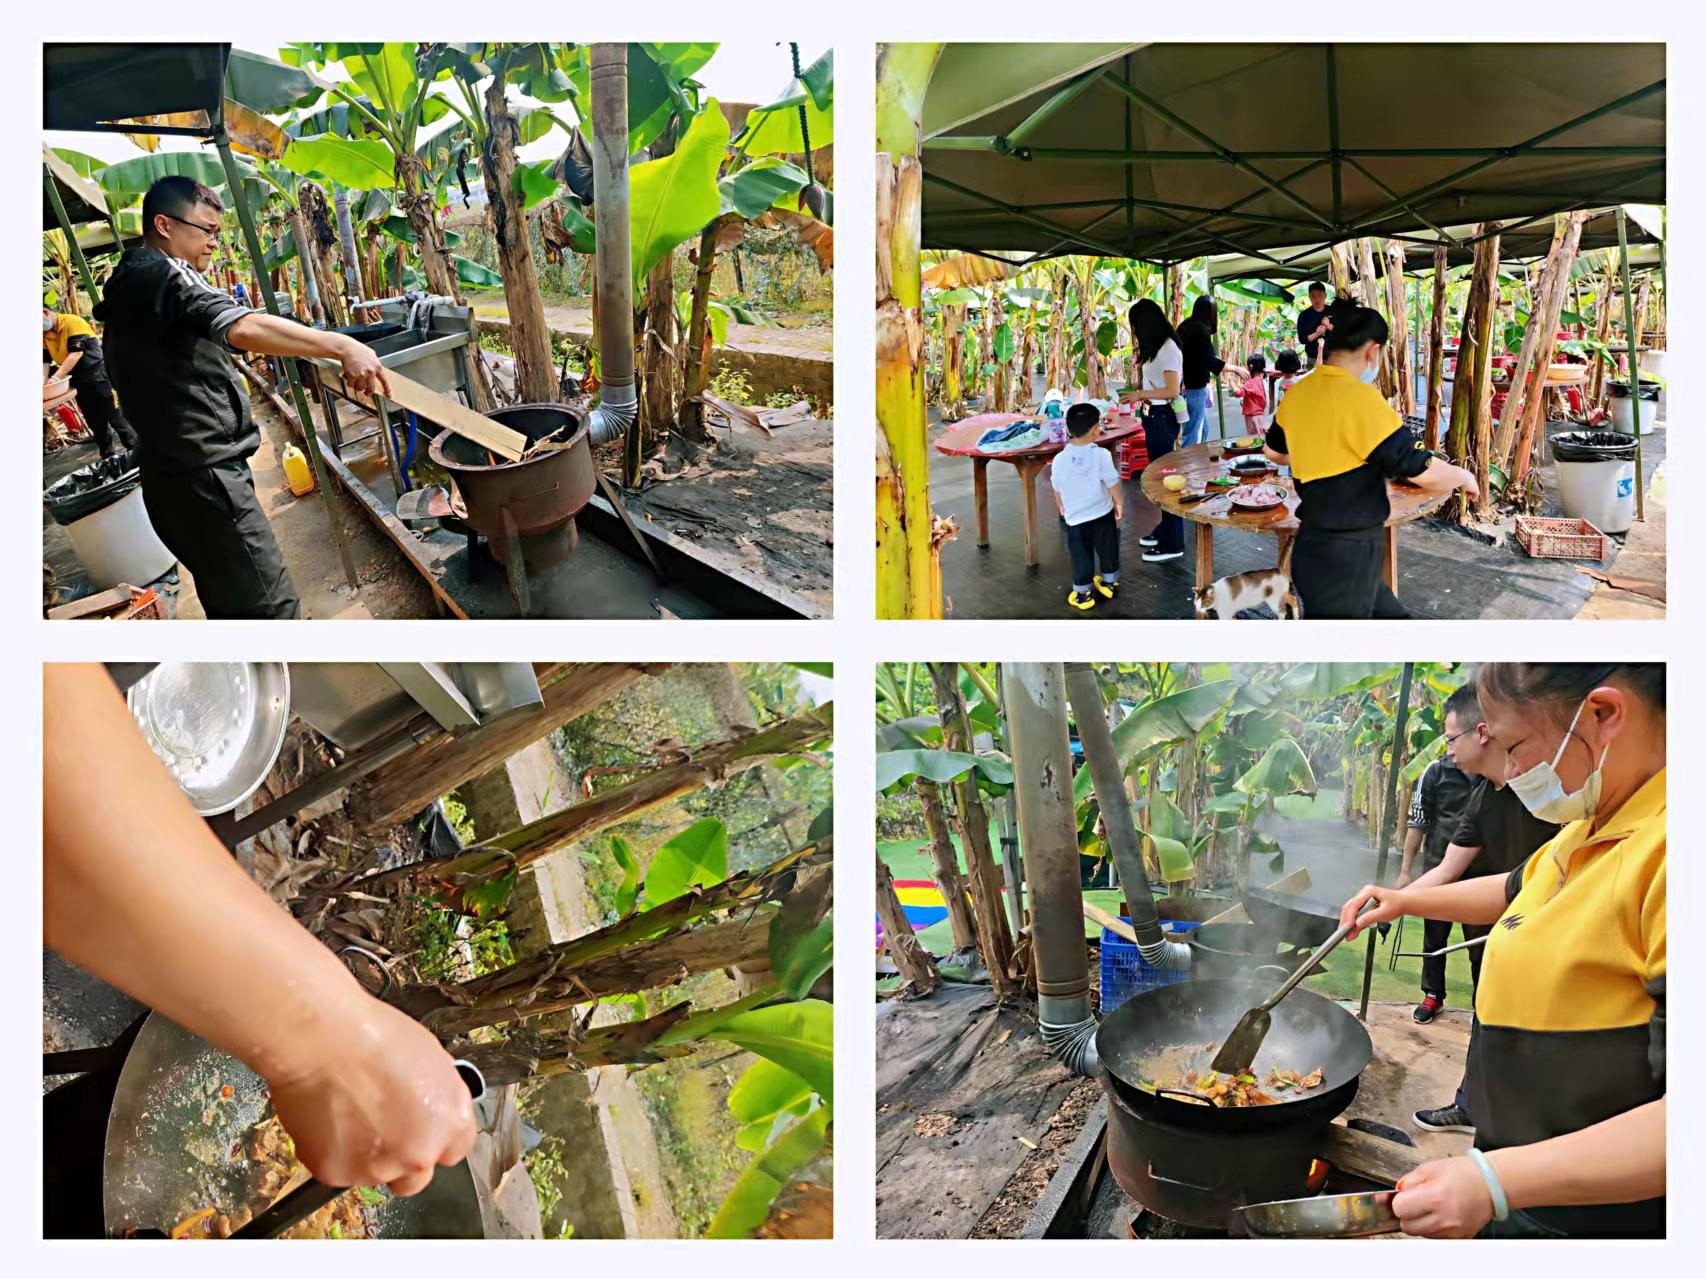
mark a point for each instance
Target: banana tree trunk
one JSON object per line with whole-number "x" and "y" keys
{"x": 1095, "y": 384}
{"x": 953, "y": 361}
{"x": 354, "y": 275}
{"x": 322, "y": 236}
{"x": 1056, "y": 376}
{"x": 917, "y": 968}
{"x": 1022, "y": 383}
{"x": 948, "y": 876}
{"x": 1340, "y": 256}
{"x": 995, "y": 315}
{"x": 1525, "y": 409}
{"x": 1471, "y": 399}
{"x": 908, "y": 562}
{"x": 529, "y": 333}
{"x": 995, "y": 942}
{"x": 697, "y": 360}
{"x": 1176, "y": 294}
{"x": 1436, "y": 350}
{"x": 1398, "y": 315}
{"x": 422, "y": 213}
{"x": 305, "y": 267}
{"x": 1602, "y": 335}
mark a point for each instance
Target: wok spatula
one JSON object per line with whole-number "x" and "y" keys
{"x": 1245, "y": 1041}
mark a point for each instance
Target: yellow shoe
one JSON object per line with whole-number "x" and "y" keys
{"x": 1106, "y": 589}
{"x": 1084, "y": 601}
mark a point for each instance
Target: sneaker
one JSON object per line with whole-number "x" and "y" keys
{"x": 1427, "y": 1010}
{"x": 1148, "y": 541}
{"x": 1157, "y": 557}
{"x": 1106, "y": 590}
{"x": 1081, "y": 600}
{"x": 1452, "y": 1118}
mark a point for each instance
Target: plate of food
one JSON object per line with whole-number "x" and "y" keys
{"x": 1249, "y": 468}
{"x": 1257, "y": 497}
{"x": 1242, "y": 444}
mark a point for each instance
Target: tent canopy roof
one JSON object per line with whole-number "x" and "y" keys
{"x": 82, "y": 198}
{"x": 85, "y": 87}
{"x": 1169, "y": 152}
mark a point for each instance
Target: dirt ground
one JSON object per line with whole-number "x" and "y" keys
{"x": 389, "y": 587}
{"x": 806, "y": 342}
{"x": 1006, "y": 1217}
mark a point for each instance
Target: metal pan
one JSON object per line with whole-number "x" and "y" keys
{"x": 1165, "y": 1030}
{"x": 172, "y": 1131}
{"x": 1302, "y": 921}
{"x": 1323, "y": 1216}
{"x": 217, "y": 726}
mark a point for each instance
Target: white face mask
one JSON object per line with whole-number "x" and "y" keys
{"x": 1542, "y": 791}
{"x": 1371, "y": 372}
{"x": 47, "y": 324}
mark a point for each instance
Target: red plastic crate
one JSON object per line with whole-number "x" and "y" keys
{"x": 1130, "y": 456}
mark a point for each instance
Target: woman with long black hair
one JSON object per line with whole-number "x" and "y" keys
{"x": 1202, "y": 366}
{"x": 1162, "y": 366}
{"x": 1343, "y": 442}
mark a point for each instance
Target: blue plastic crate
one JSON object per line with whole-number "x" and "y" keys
{"x": 1124, "y": 972}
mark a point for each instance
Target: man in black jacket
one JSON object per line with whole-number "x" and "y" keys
{"x": 169, "y": 334}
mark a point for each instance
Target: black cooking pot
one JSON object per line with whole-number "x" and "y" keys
{"x": 1298, "y": 920}
{"x": 1144, "y": 1036}
{"x": 1231, "y": 951}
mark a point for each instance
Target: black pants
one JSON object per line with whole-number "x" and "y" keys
{"x": 1091, "y": 543}
{"x": 1337, "y": 574}
{"x": 101, "y": 411}
{"x": 211, "y": 520}
{"x": 1437, "y": 933}
{"x": 1160, "y": 437}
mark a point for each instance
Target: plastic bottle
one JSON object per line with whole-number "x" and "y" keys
{"x": 297, "y": 473}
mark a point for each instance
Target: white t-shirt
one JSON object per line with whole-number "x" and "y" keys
{"x": 1081, "y": 475}
{"x": 1169, "y": 359}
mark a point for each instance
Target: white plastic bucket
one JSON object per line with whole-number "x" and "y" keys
{"x": 1602, "y": 493}
{"x": 1623, "y": 415}
{"x": 1653, "y": 365}
{"x": 117, "y": 544}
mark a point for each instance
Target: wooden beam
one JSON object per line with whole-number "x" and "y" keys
{"x": 415, "y": 779}
{"x": 453, "y": 415}
{"x": 1369, "y": 1157}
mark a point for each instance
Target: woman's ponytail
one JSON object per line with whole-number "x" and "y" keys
{"x": 1354, "y": 326}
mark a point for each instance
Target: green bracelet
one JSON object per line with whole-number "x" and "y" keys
{"x": 1501, "y": 1205}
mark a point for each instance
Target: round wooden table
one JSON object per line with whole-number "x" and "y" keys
{"x": 961, "y": 441}
{"x": 1407, "y": 501}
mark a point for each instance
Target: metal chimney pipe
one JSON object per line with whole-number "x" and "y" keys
{"x": 1123, "y": 840}
{"x": 1034, "y": 697}
{"x": 613, "y": 262}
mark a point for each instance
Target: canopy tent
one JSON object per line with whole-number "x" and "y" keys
{"x": 95, "y": 87}
{"x": 1170, "y": 152}
{"x": 80, "y": 197}
{"x": 1520, "y": 244}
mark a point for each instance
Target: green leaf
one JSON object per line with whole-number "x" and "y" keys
{"x": 955, "y": 297}
{"x": 583, "y": 236}
{"x": 819, "y": 79}
{"x": 1316, "y": 680}
{"x": 753, "y": 188}
{"x": 128, "y": 181}
{"x": 822, "y": 827}
{"x": 799, "y": 1037}
{"x": 267, "y": 86}
{"x": 940, "y": 766}
{"x": 1003, "y": 343}
{"x": 774, "y": 129}
{"x": 1166, "y": 820}
{"x": 802, "y": 938}
{"x": 696, "y": 857}
{"x": 1418, "y": 763}
{"x": 825, "y": 669}
{"x": 535, "y": 122}
{"x": 747, "y": 1204}
{"x": 487, "y": 899}
{"x": 901, "y": 734}
{"x": 85, "y": 165}
{"x": 386, "y": 74}
{"x": 1282, "y": 770}
{"x": 671, "y": 199}
{"x": 471, "y": 272}
{"x": 1228, "y": 802}
{"x": 535, "y": 183}
{"x": 359, "y": 164}
{"x": 1173, "y": 857}
{"x": 369, "y": 1196}
{"x": 1107, "y": 334}
{"x": 629, "y": 889}
{"x": 763, "y": 1094}
{"x": 1160, "y": 722}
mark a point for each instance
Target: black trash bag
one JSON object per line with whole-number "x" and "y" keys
{"x": 1592, "y": 446}
{"x": 1649, "y": 390}
{"x": 91, "y": 488}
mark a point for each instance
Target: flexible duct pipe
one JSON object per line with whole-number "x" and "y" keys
{"x": 1104, "y": 765}
{"x": 1034, "y": 697}
{"x": 613, "y": 262}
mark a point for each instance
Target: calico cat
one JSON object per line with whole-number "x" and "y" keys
{"x": 1232, "y": 595}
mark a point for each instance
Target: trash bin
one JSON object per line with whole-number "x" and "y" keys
{"x": 100, "y": 507}
{"x": 1623, "y": 407}
{"x": 1596, "y": 477}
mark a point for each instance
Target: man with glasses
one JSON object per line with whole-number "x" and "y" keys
{"x": 1480, "y": 828}
{"x": 169, "y": 338}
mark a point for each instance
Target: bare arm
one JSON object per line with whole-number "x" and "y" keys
{"x": 1442, "y": 477}
{"x": 1168, "y": 391}
{"x": 1457, "y": 859}
{"x": 1469, "y": 901}
{"x": 1619, "y": 1160}
{"x": 1412, "y": 846}
{"x": 267, "y": 334}
{"x": 139, "y": 892}
{"x": 1279, "y": 459}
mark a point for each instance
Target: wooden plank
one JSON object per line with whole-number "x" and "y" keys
{"x": 1372, "y": 1158}
{"x": 455, "y": 416}
{"x": 1296, "y": 882}
{"x": 1113, "y": 923}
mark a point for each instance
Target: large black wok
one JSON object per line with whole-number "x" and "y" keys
{"x": 1155, "y": 1036}
{"x": 1232, "y": 951}
{"x": 1302, "y": 921}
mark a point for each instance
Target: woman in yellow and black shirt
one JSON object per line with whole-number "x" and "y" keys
{"x": 1567, "y": 1059}
{"x": 1343, "y": 442}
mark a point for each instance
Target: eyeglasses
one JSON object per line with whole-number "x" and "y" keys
{"x": 1464, "y": 733}
{"x": 211, "y": 232}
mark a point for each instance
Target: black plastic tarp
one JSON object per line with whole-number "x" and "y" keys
{"x": 85, "y": 87}
{"x": 1173, "y": 151}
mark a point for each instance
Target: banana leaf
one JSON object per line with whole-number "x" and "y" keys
{"x": 672, "y": 198}
{"x": 359, "y": 164}
{"x": 1282, "y": 770}
{"x": 747, "y": 1205}
{"x": 473, "y": 273}
{"x": 895, "y": 767}
{"x": 764, "y": 1099}
{"x": 268, "y": 86}
{"x": 1160, "y": 722}
{"x": 755, "y": 187}
{"x": 797, "y": 1036}
{"x": 696, "y": 857}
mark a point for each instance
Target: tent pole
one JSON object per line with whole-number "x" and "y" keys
{"x": 1063, "y": 97}
{"x": 263, "y": 281}
{"x": 1388, "y": 822}
{"x": 1234, "y": 207}
{"x": 1634, "y": 355}
{"x": 64, "y": 220}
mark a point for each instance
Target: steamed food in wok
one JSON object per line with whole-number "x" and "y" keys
{"x": 269, "y": 1149}
{"x": 1184, "y": 1069}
